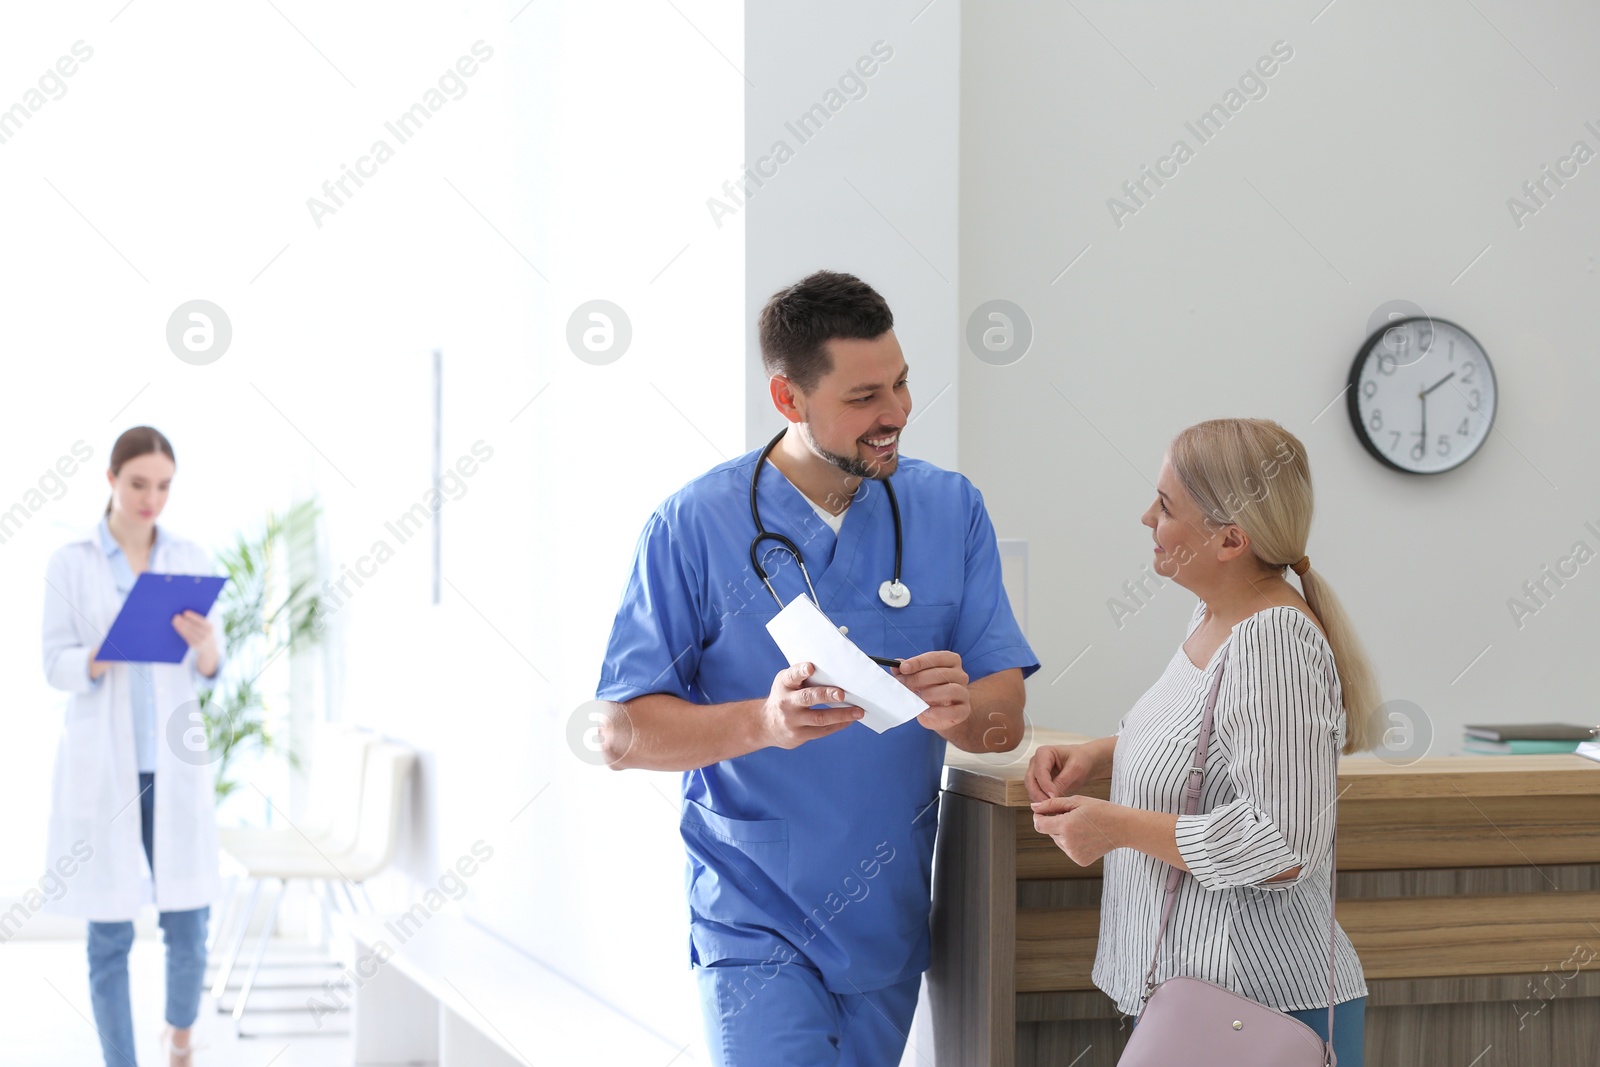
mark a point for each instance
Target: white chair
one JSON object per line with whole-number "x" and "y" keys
{"x": 333, "y": 800}
{"x": 387, "y": 770}
{"x": 332, "y": 817}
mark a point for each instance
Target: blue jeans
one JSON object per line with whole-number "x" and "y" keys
{"x": 1349, "y": 1028}
{"x": 185, "y": 935}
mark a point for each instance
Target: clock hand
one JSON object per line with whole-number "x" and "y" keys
{"x": 1424, "y": 397}
{"x": 1438, "y": 383}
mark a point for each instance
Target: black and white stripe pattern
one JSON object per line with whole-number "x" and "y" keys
{"x": 1268, "y": 806}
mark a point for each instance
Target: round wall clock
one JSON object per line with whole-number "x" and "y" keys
{"x": 1422, "y": 395}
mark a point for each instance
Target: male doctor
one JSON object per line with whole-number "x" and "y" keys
{"x": 809, "y": 836}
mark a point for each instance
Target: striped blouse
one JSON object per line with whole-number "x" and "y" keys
{"x": 1267, "y": 806}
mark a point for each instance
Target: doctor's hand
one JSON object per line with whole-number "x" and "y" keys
{"x": 938, "y": 679}
{"x": 788, "y": 719}
{"x": 195, "y": 629}
{"x": 198, "y": 633}
{"x": 97, "y": 666}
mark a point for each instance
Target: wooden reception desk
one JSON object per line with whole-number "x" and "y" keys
{"x": 1469, "y": 885}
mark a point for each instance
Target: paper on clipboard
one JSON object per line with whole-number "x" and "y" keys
{"x": 805, "y": 635}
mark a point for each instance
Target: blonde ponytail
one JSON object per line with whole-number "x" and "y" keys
{"x": 1252, "y": 473}
{"x": 1357, "y": 680}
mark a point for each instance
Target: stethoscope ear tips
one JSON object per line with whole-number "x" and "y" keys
{"x": 895, "y": 594}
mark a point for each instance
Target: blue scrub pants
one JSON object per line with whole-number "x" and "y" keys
{"x": 765, "y": 1014}
{"x": 185, "y": 935}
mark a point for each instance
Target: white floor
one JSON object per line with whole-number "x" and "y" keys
{"x": 44, "y": 985}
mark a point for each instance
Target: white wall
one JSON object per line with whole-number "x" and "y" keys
{"x": 593, "y": 884}
{"x": 1387, "y": 145}
{"x": 869, "y": 188}
{"x": 872, "y": 193}
{"x": 597, "y": 192}
{"x": 134, "y": 193}
{"x": 976, "y": 166}
{"x": 191, "y": 141}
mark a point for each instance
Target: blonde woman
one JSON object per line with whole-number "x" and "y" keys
{"x": 1231, "y": 519}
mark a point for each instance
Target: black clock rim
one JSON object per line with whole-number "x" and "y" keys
{"x": 1353, "y": 396}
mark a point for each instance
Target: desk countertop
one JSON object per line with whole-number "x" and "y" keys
{"x": 997, "y": 778}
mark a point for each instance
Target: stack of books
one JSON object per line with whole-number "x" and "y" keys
{"x": 1526, "y": 739}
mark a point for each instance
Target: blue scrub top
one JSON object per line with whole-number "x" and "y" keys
{"x": 829, "y": 846}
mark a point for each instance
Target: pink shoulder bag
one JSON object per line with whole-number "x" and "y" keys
{"x": 1202, "y": 1024}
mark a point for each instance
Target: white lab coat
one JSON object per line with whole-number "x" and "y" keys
{"x": 94, "y": 800}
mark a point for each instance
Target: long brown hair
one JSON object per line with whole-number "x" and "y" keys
{"x": 136, "y": 442}
{"x": 1225, "y": 461}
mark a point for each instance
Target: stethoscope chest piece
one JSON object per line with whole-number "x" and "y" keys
{"x": 894, "y": 593}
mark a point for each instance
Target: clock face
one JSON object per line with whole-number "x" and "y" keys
{"x": 1422, "y": 395}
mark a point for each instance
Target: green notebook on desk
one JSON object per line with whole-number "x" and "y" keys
{"x": 1479, "y": 747}
{"x": 1532, "y": 731}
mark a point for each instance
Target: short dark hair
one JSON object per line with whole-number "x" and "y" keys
{"x": 799, "y": 320}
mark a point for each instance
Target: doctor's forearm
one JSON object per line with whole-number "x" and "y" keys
{"x": 72, "y": 669}
{"x": 660, "y": 732}
{"x": 996, "y": 722}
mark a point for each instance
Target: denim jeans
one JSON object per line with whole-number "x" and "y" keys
{"x": 1349, "y": 1029}
{"x": 184, "y": 933}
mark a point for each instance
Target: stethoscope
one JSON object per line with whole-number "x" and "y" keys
{"x": 893, "y": 592}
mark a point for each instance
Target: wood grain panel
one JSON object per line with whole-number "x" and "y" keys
{"x": 1437, "y": 937}
{"x": 1397, "y": 938}
{"x": 1055, "y": 948}
{"x": 972, "y": 980}
{"x": 1464, "y": 831}
{"x": 1525, "y": 993}
{"x": 1417, "y": 833}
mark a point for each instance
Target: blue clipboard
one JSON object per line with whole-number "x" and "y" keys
{"x": 143, "y": 632}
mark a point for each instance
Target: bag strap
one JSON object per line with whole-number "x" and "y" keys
{"x": 1333, "y": 904}
{"x": 1191, "y": 805}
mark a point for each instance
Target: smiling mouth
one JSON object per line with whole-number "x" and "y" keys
{"x": 883, "y": 444}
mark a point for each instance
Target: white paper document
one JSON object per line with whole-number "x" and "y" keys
{"x": 1589, "y": 749}
{"x": 805, "y": 635}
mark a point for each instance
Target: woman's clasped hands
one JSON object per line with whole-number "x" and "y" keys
{"x": 1082, "y": 827}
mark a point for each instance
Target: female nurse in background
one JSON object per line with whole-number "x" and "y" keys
{"x": 124, "y": 729}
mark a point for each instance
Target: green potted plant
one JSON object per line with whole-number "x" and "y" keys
{"x": 264, "y": 616}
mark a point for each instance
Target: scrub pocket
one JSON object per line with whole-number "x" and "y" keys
{"x": 924, "y": 832}
{"x": 739, "y": 868}
{"x": 918, "y": 628}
